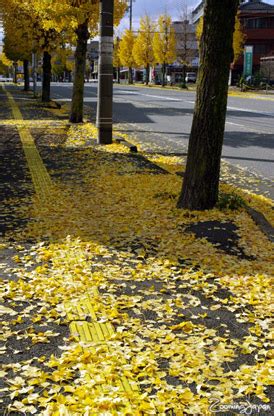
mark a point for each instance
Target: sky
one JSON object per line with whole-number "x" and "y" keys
{"x": 156, "y": 7}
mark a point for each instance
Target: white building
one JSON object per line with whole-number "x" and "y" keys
{"x": 197, "y": 12}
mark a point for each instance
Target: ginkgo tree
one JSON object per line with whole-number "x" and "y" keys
{"x": 126, "y": 52}
{"x": 5, "y": 64}
{"x": 116, "y": 57}
{"x": 201, "y": 180}
{"x": 12, "y": 54}
{"x": 143, "y": 46}
{"x": 23, "y": 22}
{"x": 78, "y": 19}
{"x": 17, "y": 40}
{"x": 62, "y": 64}
{"x": 164, "y": 44}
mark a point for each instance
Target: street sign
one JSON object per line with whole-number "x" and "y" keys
{"x": 248, "y": 61}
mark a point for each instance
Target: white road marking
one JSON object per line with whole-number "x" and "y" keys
{"x": 129, "y": 92}
{"x": 86, "y": 99}
{"x": 246, "y": 110}
{"x": 162, "y": 97}
{"x": 247, "y": 128}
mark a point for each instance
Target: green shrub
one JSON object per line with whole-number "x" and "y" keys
{"x": 229, "y": 201}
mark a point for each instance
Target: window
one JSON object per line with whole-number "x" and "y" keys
{"x": 259, "y": 23}
{"x": 260, "y": 49}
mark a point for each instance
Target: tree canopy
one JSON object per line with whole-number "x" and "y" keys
{"x": 164, "y": 42}
{"x": 143, "y": 46}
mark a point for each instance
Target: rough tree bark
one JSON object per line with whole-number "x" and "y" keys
{"x": 130, "y": 75}
{"x": 184, "y": 75}
{"x": 15, "y": 71}
{"x": 76, "y": 114}
{"x": 46, "y": 77}
{"x": 147, "y": 74}
{"x": 26, "y": 74}
{"x": 163, "y": 74}
{"x": 118, "y": 75}
{"x": 201, "y": 180}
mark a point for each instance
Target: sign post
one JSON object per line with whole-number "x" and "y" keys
{"x": 105, "y": 73}
{"x": 248, "y": 61}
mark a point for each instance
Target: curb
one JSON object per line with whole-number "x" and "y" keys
{"x": 261, "y": 222}
{"x": 256, "y": 216}
{"x": 123, "y": 142}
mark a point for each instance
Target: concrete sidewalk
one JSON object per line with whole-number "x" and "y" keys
{"x": 113, "y": 301}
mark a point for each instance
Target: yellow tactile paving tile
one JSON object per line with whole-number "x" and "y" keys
{"x": 82, "y": 309}
{"x": 129, "y": 386}
{"x": 91, "y": 331}
{"x": 78, "y": 312}
{"x": 100, "y": 333}
{"x": 41, "y": 124}
{"x": 125, "y": 385}
{"x": 40, "y": 177}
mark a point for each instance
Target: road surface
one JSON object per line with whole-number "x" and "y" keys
{"x": 161, "y": 120}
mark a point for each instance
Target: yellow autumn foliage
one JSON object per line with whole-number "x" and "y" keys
{"x": 5, "y": 61}
{"x": 164, "y": 41}
{"x": 238, "y": 37}
{"x": 143, "y": 47}
{"x": 126, "y": 49}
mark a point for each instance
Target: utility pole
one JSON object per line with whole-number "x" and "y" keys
{"x": 130, "y": 14}
{"x": 130, "y": 75}
{"x": 105, "y": 73}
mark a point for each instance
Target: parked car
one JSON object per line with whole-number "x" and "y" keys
{"x": 257, "y": 81}
{"x": 5, "y": 79}
{"x": 191, "y": 77}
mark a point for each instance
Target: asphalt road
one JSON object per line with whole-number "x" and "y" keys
{"x": 161, "y": 120}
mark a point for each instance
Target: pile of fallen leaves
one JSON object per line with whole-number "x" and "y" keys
{"x": 159, "y": 285}
{"x": 191, "y": 320}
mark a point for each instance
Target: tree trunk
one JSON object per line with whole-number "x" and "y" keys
{"x": 34, "y": 73}
{"x": 26, "y": 74}
{"x": 118, "y": 75}
{"x": 147, "y": 74}
{"x": 46, "y": 77}
{"x": 163, "y": 75}
{"x": 201, "y": 180}
{"x": 130, "y": 77}
{"x": 77, "y": 105}
{"x": 184, "y": 75}
{"x": 15, "y": 67}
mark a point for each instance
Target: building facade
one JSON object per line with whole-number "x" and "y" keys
{"x": 267, "y": 68}
{"x": 197, "y": 12}
{"x": 257, "y": 19}
{"x": 186, "y": 42}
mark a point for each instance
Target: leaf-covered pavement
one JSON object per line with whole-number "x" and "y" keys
{"x": 191, "y": 315}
